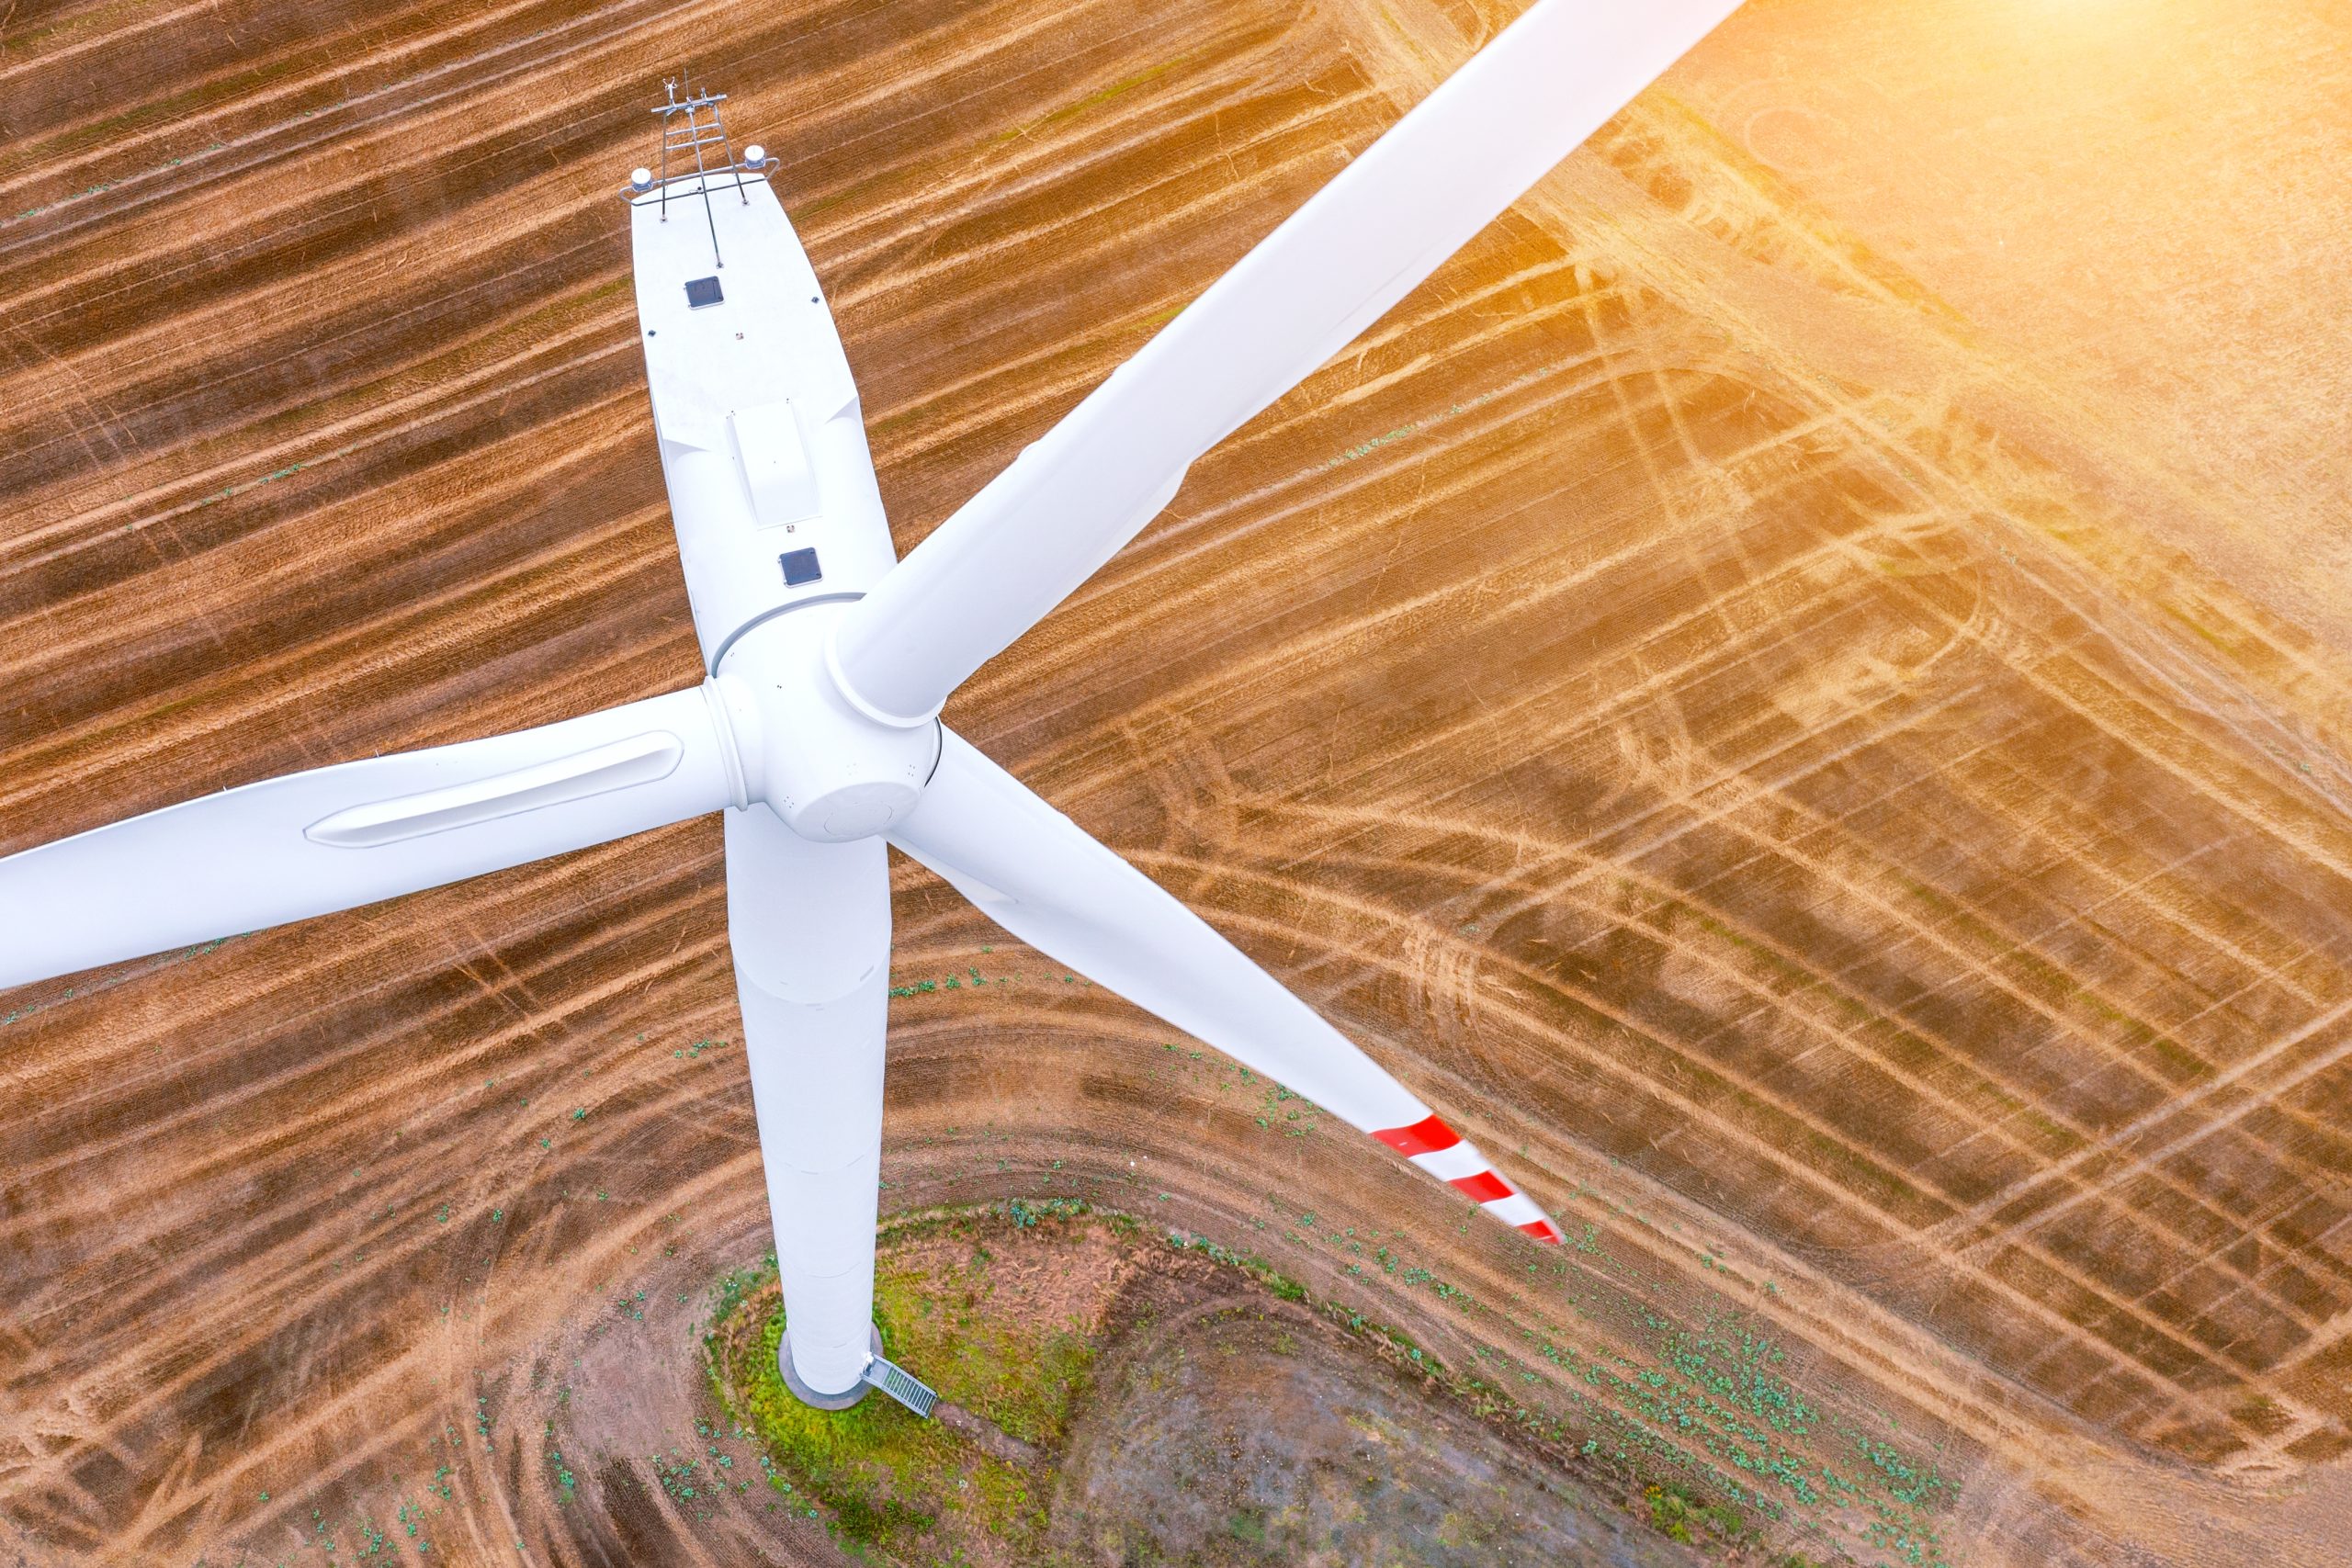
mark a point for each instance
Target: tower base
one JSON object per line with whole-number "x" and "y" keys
{"x": 809, "y": 1396}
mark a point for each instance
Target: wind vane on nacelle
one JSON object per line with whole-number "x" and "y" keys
{"x": 816, "y": 732}
{"x": 694, "y": 136}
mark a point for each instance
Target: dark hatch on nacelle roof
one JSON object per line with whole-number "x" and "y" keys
{"x": 701, "y": 291}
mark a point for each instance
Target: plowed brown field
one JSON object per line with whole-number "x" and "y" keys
{"x": 1798, "y": 689}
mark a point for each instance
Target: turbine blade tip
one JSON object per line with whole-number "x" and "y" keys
{"x": 1483, "y": 1185}
{"x": 1426, "y": 1136}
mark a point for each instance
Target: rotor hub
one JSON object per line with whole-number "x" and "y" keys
{"x": 832, "y": 773}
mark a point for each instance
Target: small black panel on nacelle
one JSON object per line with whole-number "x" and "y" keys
{"x": 701, "y": 291}
{"x": 799, "y": 567}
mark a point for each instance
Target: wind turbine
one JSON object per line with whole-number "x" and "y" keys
{"x": 816, "y": 732}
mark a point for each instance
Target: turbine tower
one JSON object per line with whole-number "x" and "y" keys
{"x": 817, "y": 733}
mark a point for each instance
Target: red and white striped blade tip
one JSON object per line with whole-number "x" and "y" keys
{"x": 1445, "y": 1154}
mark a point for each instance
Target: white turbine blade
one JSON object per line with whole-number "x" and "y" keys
{"x": 335, "y": 837}
{"x": 1040, "y": 876}
{"x": 1067, "y": 503}
{"x": 809, "y": 925}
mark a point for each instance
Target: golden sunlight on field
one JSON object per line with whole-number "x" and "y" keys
{"x": 1800, "y": 688}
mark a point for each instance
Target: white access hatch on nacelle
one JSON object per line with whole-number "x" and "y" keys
{"x": 774, "y": 464}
